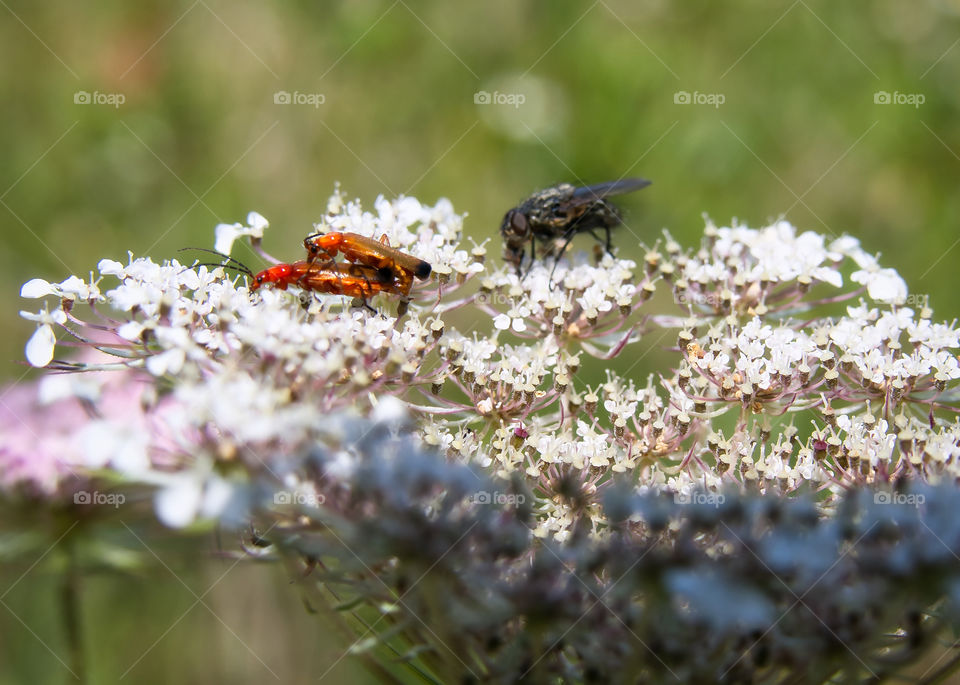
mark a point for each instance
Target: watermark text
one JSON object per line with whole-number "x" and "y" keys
{"x": 883, "y": 97}
{"x": 285, "y": 97}
{"x": 83, "y": 97}
{"x": 102, "y": 499}
{"x": 484, "y": 97}
{"x": 685, "y": 97}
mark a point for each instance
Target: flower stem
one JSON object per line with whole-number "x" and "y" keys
{"x": 70, "y": 599}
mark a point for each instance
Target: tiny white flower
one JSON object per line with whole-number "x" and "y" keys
{"x": 37, "y": 287}
{"x": 257, "y": 223}
{"x": 936, "y": 336}
{"x": 863, "y": 259}
{"x": 513, "y": 319}
{"x": 40, "y": 347}
{"x": 109, "y": 267}
{"x": 76, "y": 288}
{"x": 845, "y": 245}
{"x": 946, "y": 363}
{"x": 168, "y": 362}
{"x": 883, "y": 285}
{"x": 227, "y": 233}
{"x": 131, "y": 330}
{"x": 596, "y": 298}
{"x": 71, "y": 289}
{"x": 134, "y": 293}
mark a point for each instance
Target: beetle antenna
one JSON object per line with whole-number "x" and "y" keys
{"x": 230, "y": 262}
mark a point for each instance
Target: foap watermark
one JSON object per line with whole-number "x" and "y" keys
{"x": 898, "y": 498}
{"x": 711, "y": 299}
{"x": 285, "y": 97}
{"x": 100, "y": 499}
{"x": 83, "y": 97}
{"x": 713, "y": 499}
{"x": 917, "y": 300}
{"x": 298, "y": 498}
{"x": 685, "y": 97}
{"x": 882, "y": 97}
{"x": 484, "y": 97}
{"x": 494, "y": 297}
{"x": 502, "y": 498}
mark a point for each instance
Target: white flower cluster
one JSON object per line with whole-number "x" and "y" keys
{"x": 568, "y": 298}
{"x": 251, "y": 373}
{"x": 758, "y": 397}
{"x": 747, "y": 373}
{"x": 739, "y": 268}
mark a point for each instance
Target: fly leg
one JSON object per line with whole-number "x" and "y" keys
{"x": 566, "y": 243}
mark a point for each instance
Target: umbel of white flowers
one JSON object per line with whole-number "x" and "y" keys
{"x": 655, "y": 526}
{"x": 775, "y": 385}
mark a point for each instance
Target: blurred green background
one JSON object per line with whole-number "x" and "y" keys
{"x": 786, "y": 116}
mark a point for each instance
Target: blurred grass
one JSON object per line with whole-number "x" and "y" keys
{"x": 183, "y": 616}
{"x": 199, "y": 139}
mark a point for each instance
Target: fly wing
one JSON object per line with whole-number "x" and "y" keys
{"x": 599, "y": 191}
{"x": 585, "y": 208}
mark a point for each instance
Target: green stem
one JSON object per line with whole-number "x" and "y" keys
{"x": 70, "y": 596}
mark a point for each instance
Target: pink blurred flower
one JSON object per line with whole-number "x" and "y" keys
{"x": 41, "y": 452}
